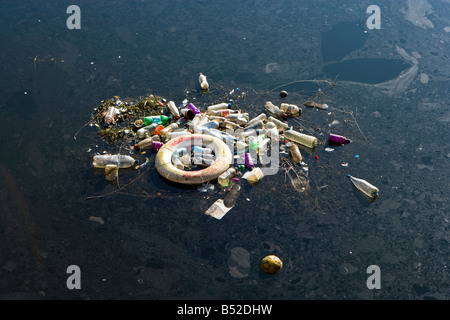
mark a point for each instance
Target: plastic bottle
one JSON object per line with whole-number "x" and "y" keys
{"x": 256, "y": 140}
{"x": 201, "y": 161}
{"x": 176, "y": 161}
{"x": 168, "y": 129}
{"x": 290, "y": 109}
{"x": 255, "y": 125}
{"x": 156, "y": 145}
{"x": 230, "y": 125}
{"x": 207, "y": 125}
{"x": 145, "y": 144}
{"x": 110, "y": 115}
{"x": 162, "y": 119}
{"x": 158, "y": 130}
{"x": 187, "y": 113}
{"x": 203, "y": 81}
{"x": 173, "y": 109}
{"x": 219, "y": 106}
{"x": 224, "y": 178}
{"x": 176, "y": 134}
{"x": 261, "y": 116}
{"x": 201, "y": 150}
{"x": 223, "y": 112}
{"x": 295, "y": 152}
{"x": 273, "y": 109}
{"x": 282, "y": 126}
{"x": 301, "y": 138}
{"x": 263, "y": 146}
{"x": 365, "y": 187}
{"x": 192, "y": 107}
{"x": 255, "y": 175}
{"x": 121, "y": 160}
{"x": 337, "y": 139}
{"x": 273, "y": 134}
{"x": 248, "y": 161}
{"x": 146, "y": 131}
{"x": 231, "y": 198}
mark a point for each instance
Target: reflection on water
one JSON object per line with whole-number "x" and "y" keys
{"x": 365, "y": 70}
{"x": 155, "y": 241}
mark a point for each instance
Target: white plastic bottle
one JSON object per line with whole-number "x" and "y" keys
{"x": 173, "y": 109}
{"x": 223, "y": 112}
{"x": 203, "y": 81}
{"x": 121, "y": 160}
{"x": 219, "y": 106}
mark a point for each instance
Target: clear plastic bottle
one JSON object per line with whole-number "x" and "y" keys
{"x": 176, "y": 161}
{"x": 110, "y": 116}
{"x": 224, "y": 178}
{"x": 203, "y": 81}
{"x": 294, "y": 150}
{"x": 255, "y": 141}
{"x": 231, "y": 198}
{"x": 263, "y": 146}
{"x": 255, "y": 125}
{"x": 273, "y": 109}
{"x": 147, "y": 130}
{"x": 261, "y": 116}
{"x": 290, "y": 109}
{"x": 146, "y": 143}
{"x": 173, "y": 109}
{"x": 255, "y": 175}
{"x": 168, "y": 129}
{"x": 365, "y": 187}
{"x": 280, "y": 124}
{"x": 121, "y": 160}
{"x": 219, "y": 106}
{"x": 301, "y": 138}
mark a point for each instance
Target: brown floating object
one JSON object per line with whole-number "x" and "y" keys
{"x": 111, "y": 172}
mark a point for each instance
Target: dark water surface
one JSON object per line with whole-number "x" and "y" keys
{"x": 156, "y": 242}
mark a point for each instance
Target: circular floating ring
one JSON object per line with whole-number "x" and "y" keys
{"x": 165, "y": 167}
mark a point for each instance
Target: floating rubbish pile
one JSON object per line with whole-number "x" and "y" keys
{"x": 217, "y": 143}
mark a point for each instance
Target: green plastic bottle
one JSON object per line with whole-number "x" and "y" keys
{"x": 162, "y": 119}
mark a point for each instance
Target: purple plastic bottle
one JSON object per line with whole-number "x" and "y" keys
{"x": 248, "y": 161}
{"x": 156, "y": 145}
{"x": 337, "y": 139}
{"x": 193, "y": 108}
